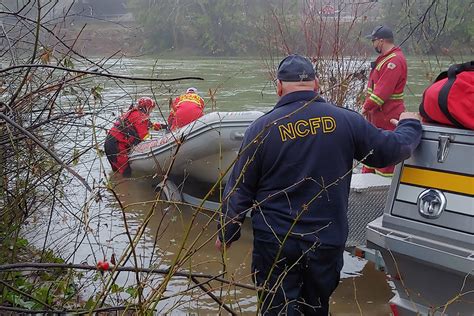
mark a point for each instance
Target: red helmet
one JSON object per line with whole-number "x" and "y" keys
{"x": 146, "y": 103}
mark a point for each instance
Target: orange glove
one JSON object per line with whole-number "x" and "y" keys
{"x": 159, "y": 126}
{"x": 156, "y": 126}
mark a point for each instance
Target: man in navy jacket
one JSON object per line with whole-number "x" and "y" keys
{"x": 293, "y": 173}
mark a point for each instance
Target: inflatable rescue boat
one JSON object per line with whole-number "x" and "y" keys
{"x": 203, "y": 149}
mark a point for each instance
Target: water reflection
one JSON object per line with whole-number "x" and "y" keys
{"x": 167, "y": 227}
{"x": 361, "y": 286}
{"x": 367, "y": 294}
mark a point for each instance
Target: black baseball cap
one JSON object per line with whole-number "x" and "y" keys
{"x": 295, "y": 68}
{"x": 381, "y": 32}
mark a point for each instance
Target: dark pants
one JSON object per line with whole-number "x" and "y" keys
{"x": 302, "y": 280}
{"x": 117, "y": 155}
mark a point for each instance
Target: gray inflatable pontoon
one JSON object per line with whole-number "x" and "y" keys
{"x": 203, "y": 149}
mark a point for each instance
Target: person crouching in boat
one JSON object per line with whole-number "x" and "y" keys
{"x": 130, "y": 129}
{"x": 185, "y": 109}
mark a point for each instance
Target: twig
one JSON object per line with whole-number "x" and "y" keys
{"x": 420, "y": 22}
{"x": 97, "y": 73}
{"x": 132, "y": 249}
{"x": 62, "y": 311}
{"x": 9, "y": 43}
{"x": 25, "y": 294}
{"x": 46, "y": 149}
{"x": 33, "y": 57}
{"x": 36, "y": 265}
{"x": 211, "y": 295}
{"x": 355, "y": 297}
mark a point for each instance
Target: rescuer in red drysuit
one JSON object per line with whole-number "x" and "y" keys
{"x": 387, "y": 80}
{"x": 130, "y": 129}
{"x": 185, "y": 109}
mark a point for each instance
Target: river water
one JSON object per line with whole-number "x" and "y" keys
{"x": 89, "y": 230}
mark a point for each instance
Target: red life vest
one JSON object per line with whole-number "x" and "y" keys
{"x": 186, "y": 109}
{"x": 131, "y": 127}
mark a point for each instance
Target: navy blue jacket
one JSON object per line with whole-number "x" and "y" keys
{"x": 294, "y": 168}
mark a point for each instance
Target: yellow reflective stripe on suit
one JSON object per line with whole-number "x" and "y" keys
{"x": 376, "y": 99}
{"x": 383, "y": 61}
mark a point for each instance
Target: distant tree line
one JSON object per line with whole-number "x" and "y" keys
{"x": 245, "y": 27}
{"x": 432, "y": 26}
{"x": 238, "y": 27}
{"x": 214, "y": 27}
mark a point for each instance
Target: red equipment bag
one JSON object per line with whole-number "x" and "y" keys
{"x": 450, "y": 99}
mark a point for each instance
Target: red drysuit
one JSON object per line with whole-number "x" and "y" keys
{"x": 384, "y": 100}
{"x": 130, "y": 129}
{"x": 185, "y": 109}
